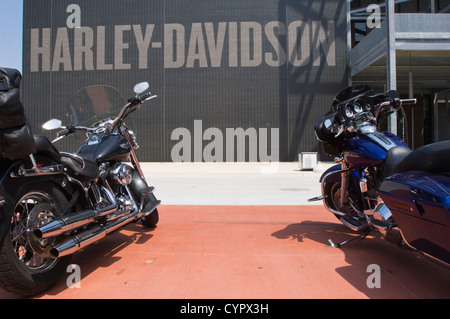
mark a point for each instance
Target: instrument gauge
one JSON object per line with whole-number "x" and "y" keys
{"x": 100, "y": 130}
{"x": 348, "y": 112}
{"x": 358, "y": 108}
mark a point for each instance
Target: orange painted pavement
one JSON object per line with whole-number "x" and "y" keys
{"x": 241, "y": 252}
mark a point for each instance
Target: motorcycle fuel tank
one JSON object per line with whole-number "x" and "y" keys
{"x": 106, "y": 147}
{"x": 420, "y": 204}
{"x": 370, "y": 148}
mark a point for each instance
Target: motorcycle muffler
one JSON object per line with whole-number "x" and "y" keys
{"x": 73, "y": 221}
{"x": 78, "y": 219}
{"x": 89, "y": 237}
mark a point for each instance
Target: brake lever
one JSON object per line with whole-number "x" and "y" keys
{"x": 146, "y": 97}
{"x": 140, "y": 100}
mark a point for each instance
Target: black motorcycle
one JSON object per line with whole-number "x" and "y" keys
{"x": 54, "y": 203}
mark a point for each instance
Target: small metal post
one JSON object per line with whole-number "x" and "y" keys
{"x": 391, "y": 58}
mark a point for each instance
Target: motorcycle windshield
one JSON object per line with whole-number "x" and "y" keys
{"x": 352, "y": 92}
{"x": 94, "y": 103}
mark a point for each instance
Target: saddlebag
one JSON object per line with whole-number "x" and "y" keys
{"x": 16, "y": 137}
{"x": 420, "y": 204}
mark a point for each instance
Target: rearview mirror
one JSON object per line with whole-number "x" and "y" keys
{"x": 141, "y": 87}
{"x": 52, "y": 124}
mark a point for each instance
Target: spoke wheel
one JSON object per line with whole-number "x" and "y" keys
{"x": 31, "y": 212}
{"x": 26, "y": 267}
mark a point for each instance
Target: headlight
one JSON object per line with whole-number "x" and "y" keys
{"x": 123, "y": 174}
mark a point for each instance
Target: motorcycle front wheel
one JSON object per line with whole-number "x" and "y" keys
{"x": 26, "y": 268}
{"x": 334, "y": 193}
{"x": 151, "y": 220}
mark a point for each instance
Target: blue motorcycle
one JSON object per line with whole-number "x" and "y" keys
{"x": 379, "y": 185}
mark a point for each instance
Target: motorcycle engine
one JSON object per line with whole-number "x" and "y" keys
{"x": 380, "y": 216}
{"x": 384, "y": 222}
{"x": 125, "y": 203}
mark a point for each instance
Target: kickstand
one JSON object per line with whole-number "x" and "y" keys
{"x": 339, "y": 245}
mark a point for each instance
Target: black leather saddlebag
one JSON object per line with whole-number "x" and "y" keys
{"x": 16, "y": 137}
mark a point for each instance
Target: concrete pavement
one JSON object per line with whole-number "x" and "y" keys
{"x": 234, "y": 183}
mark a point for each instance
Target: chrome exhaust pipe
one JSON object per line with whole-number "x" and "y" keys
{"x": 78, "y": 219}
{"x": 91, "y": 236}
{"x": 70, "y": 222}
{"x": 77, "y": 243}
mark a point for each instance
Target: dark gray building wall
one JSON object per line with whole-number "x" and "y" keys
{"x": 253, "y": 64}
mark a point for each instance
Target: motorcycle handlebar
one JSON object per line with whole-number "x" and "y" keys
{"x": 396, "y": 103}
{"x": 132, "y": 102}
{"x": 146, "y": 96}
{"x": 408, "y": 101}
{"x": 70, "y": 129}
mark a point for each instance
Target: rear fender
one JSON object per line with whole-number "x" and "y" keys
{"x": 11, "y": 187}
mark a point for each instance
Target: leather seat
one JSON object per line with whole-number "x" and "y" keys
{"x": 46, "y": 148}
{"x": 433, "y": 158}
{"x": 393, "y": 157}
{"x": 80, "y": 165}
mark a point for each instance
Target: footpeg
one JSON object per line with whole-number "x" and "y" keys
{"x": 352, "y": 223}
{"x": 315, "y": 199}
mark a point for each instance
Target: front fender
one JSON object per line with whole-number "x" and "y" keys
{"x": 332, "y": 176}
{"x": 328, "y": 177}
